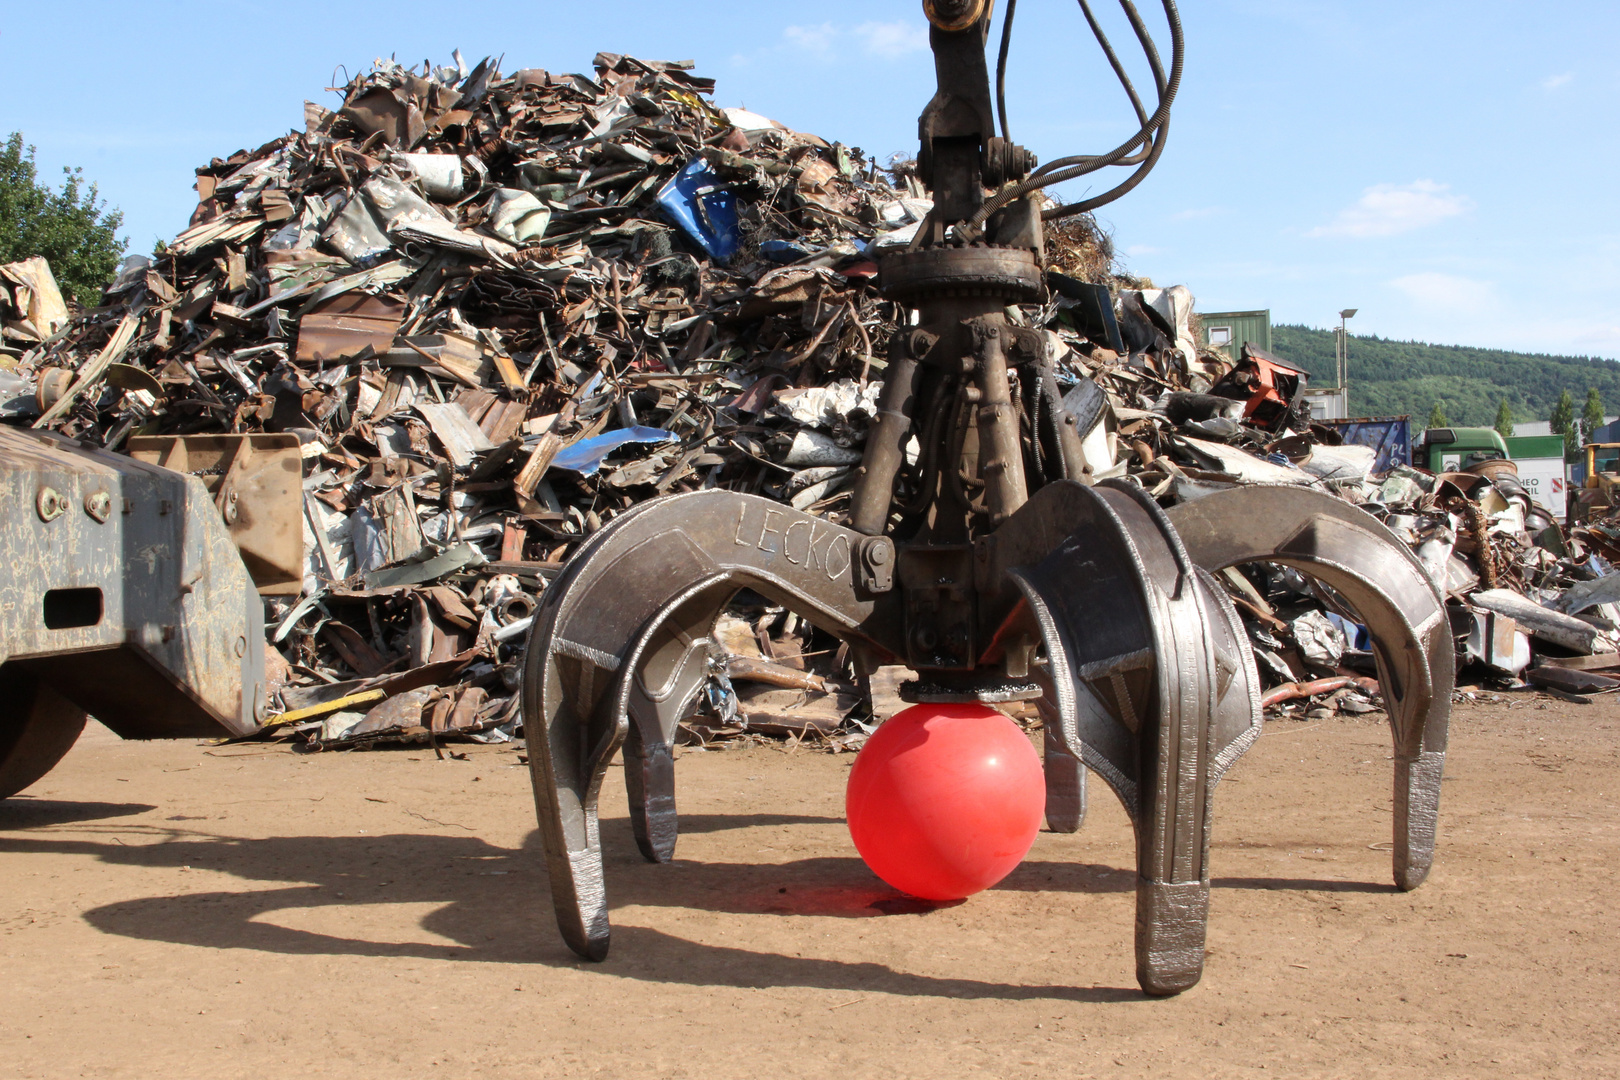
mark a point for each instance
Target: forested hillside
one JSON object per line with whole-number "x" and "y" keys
{"x": 1389, "y": 378}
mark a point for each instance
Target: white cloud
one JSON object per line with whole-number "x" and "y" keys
{"x": 1392, "y": 209}
{"x": 890, "y": 40}
{"x": 816, "y": 39}
{"x": 1447, "y": 293}
{"x": 1600, "y": 340}
{"x": 1558, "y": 82}
{"x": 883, "y": 40}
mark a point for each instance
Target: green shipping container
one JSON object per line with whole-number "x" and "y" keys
{"x": 1228, "y": 330}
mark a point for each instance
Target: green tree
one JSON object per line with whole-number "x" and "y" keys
{"x": 1403, "y": 378}
{"x": 1562, "y": 422}
{"x": 1437, "y": 416}
{"x": 71, "y": 227}
{"x": 1591, "y": 416}
{"x": 1504, "y": 420}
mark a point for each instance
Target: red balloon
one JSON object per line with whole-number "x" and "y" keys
{"x": 945, "y": 800}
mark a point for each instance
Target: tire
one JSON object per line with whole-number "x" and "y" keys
{"x": 37, "y": 728}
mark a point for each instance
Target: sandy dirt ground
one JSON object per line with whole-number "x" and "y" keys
{"x": 177, "y": 910}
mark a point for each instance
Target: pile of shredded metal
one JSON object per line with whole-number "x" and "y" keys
{"x": 497, "y": 310}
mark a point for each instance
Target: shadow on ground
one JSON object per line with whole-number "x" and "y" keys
{"x": 22, "y": 812}
{"x": 494, "y": 902}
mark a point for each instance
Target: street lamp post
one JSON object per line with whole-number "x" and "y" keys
{"x": 1342, "y": 357}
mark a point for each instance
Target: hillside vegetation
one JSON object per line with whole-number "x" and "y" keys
{"x": 1391, "y": 378}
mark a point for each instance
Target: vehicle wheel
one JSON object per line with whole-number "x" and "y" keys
{"x": 37, "y": 728}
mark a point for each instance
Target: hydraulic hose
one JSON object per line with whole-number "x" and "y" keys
{"x": 1141, "y": 150}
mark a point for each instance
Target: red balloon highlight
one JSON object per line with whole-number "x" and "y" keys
{"x": 945, "y": 800}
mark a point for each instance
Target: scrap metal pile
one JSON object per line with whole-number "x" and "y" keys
{"x": 487, "y": 313}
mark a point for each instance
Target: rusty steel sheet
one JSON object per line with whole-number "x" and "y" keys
{"x": 256, "y": 483}
{"x": 126, "y": 596}
{"x": 347, "y": 326}
{"x": 1388, "y": 589}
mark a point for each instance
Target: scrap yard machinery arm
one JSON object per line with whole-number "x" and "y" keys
{"x": 988, "y": 559}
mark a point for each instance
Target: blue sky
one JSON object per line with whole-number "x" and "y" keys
{"x": 1451, "y": 169}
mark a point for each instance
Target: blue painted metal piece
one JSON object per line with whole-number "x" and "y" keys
{"x": 788, "y": 251}
{"x": 1391, "y": 436}
{"x": 701, "y": 204}
{"x": 1355, "y": 635}
{"x": 587, "y": 455}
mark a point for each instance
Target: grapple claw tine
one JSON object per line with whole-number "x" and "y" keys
{"x": 1391, "y": 593}
{"x": 1417, "y": 815}
{"x": 1065, "y": 781}
{"x": 623, "y": 632}
{"x": 1170, "y": 922}
{"x": 672, "y": 668}
{"x": 649, "y": 781}
{"x": 1150, "y": 682}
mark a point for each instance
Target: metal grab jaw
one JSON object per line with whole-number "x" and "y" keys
{"x": 620, "y": 647}
{"x": 1151, "y": 684}
{"x": 1148, "y": 675}
{"x": 1389, "y": 590}
{"x": 979, "y": 553}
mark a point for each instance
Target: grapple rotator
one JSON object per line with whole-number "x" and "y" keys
{"x": 980, "y": 553}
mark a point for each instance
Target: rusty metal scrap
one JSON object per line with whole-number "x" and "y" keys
{"x": 446, "y": 295}
{"x": 488, "y": 313}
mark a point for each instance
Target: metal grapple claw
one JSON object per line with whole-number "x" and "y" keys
{"x": 1151, "y": 684}
{"x": 620, "y": 646}
{"x": 1387, "y": 587}
{"x": 980, "y": 556}
{"x": 1148, "y": 677}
